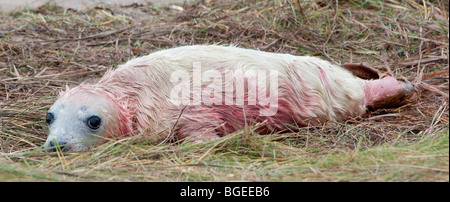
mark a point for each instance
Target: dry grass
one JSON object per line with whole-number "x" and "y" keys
{"x": 43, "y": 50}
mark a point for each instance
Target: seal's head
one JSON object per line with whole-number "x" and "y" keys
{"x": 82, "y": 118}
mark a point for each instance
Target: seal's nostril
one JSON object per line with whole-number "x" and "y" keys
{"x": 62, "y": 145}
{"x": 54, "y": 145}
{"x": 51, "y": 147}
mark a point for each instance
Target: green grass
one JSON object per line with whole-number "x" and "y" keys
{"x": 241, "y": 157}
{"x": 14, "y": 173}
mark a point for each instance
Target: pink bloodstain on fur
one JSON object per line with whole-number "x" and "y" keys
{"x": 386, "y": 92}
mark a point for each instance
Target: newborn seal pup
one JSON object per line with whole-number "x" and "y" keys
{"x": 203, "y": 92}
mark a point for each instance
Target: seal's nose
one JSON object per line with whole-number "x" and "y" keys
{"x": 54, "y": 145}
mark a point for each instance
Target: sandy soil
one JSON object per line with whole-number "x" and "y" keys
{"x": 8, "y": 5}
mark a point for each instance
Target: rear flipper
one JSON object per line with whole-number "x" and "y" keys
{"x": 388, "y": 92}
{"x": 383, "y": 90}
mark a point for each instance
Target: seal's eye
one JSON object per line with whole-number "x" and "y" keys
{"x": 94, "y": 122}
{"x": 49, "y": 118}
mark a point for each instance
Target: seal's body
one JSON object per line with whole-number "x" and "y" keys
{"x": 204, "y": 92}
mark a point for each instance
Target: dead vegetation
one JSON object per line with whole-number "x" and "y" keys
{"x": 43, "y": 50}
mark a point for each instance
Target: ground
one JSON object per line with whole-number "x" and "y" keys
{"x": 43, "y": 50}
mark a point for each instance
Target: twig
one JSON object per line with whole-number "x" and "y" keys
{"x": 100, "y": 35}
{"x": 383, "y": 116}
{"x": 412, "y": 62}
{"x": 432, "y": 89}
{"x": 171, "y": 132}
{"x": 434, "y": 74}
